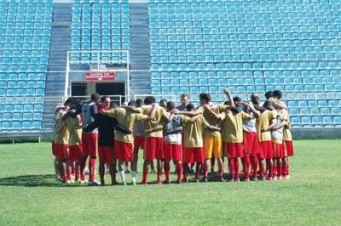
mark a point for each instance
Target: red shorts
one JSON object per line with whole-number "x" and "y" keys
{"x": 277, "y": 150}
{"x": 123, "y": 151}
{"x": 172, "y": 151}
{"x": 106, "y": 154}
{"x": 138, "y": 142}
{"x": 266, "y": 149}
{"x": 89, "y": 141}
{"x": 192, "y": 155}
{"x": 62, "y": 151}
{"x": 288, "y": 148}
{"x": 75, "y": 152}
{"x": 54, "y": 151}
{"x": 251, "y": 144}
{"x": 153, "y": 148}
{"x": 234, "y": 150}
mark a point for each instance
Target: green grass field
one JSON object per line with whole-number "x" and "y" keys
{"x": 29, "y": 194}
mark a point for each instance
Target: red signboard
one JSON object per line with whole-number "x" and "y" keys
{"x": 99, "y": 76}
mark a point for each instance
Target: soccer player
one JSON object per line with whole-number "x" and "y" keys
{"x": 138, "y": 133}
{"x": 90, "y": 139}
{"x": 277, "y": 143}
{"x": 153, "y": 147}
{"x": 74, "y": 125}
{"x": 232, "y": 121}
{"x": 106, "y": 130}
{"x": 172, "y": 144}
{"x": 184, "y": 98}
{"x": 60, "y": 109}
{"x": 124, "y": 142}
{"x": 288, "y": 146}
{"x": 264, "y": 127}
{"x": 250, "y": 140}
{"x": 61, "y": 140}
{"x": 212, "y": 138}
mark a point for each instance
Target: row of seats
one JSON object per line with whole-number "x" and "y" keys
{"x": 12, "y": 125}
{"x": 255, "y": 69}
{"x": 22, "y": 84}
{"x": 22, "y": 77}
{"x": 101, "y": 25}
{"x": 316, "y": 121}
{"x": 10, "y": 92}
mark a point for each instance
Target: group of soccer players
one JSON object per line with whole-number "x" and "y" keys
{"x": 252, "y": 134}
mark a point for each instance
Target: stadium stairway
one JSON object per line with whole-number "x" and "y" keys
{"x": 59, "y": 45}
{"x": 139, "y": 49}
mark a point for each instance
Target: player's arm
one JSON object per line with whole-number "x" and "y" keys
{"x": 211, "y": 112}
{"x": 198, "y": 111}
{"x": 229, "y": 97}
{"x": 121, "y": 128}
{"x": 178, "y": 129}
{"x": 154, "y": 129}
{"x": 91, "y": 126}
{"x": 269, "y": 128}
{"x": 252, "y": 109}
{"x": 279, "y": 104}
{"x": 131, "y": 109}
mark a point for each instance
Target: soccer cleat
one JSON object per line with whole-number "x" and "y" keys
{"x": 166, "y": 182}
{"x": 134, "y": 182}
{"x": 197, "y": 180}
{"x": 222, "y": 179}
{"x": 94, "y": 183}
{"x": 246, "y": 180}
{"x": 143, "y": 182}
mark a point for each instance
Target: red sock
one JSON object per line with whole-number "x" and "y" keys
{"x": 279, "y": 169}
{"x": 82, "y": 167}
{"x": 179, "y": 170}
{"x": 197, "y": 170}
{"x": 145, "y": 174}
{"x": 68, "y": 172}
{"x": 254, "y": 165}
{"x": 167, "y": 170}
{"x": 236, "y": 169}
{"x": 92, "y": 163}
{"x": 246, "y": 166}
{"x": 185, "y": 172}
{"x": 231, "y": 168}
{"x": 261, "y": 168}
{"x": 271, "y": 169}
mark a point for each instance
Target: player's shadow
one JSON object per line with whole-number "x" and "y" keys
{"x": 45, "y": 180}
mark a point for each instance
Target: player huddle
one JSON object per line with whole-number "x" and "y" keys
{"x": 252, "y": 134}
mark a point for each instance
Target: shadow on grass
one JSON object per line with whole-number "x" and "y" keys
{"x": 46, "y": 180}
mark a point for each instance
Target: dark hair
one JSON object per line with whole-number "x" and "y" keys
{"x": 269, "y": 94}
{"x": 95, "y": 97}
{"x": 69, "y": 101}
{"x": 162, "y": 101}
{"x": 103, "y": 98}
{"x": 171, "y": 104}
{"x": 139, "y": 102}
{"x": 267, "y": 104}
{"x": 132, "y": 103}
{"x": 149, "y": 100}
{"x": 237, "y": 99}
{"x": 205, "y": 96}
{"x": 190, "y": 107}
{"x": 277, "y": 94}
{"x": 253, "y": 98}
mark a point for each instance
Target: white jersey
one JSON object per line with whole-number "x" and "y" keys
{"x": 250, "y": 125}
{"x": 175, "y": 138}
{"x": 278, "y": 134}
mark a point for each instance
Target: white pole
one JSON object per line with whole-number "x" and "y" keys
{"x": 67, "y": 74}
{"x": 128, "y": 74}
